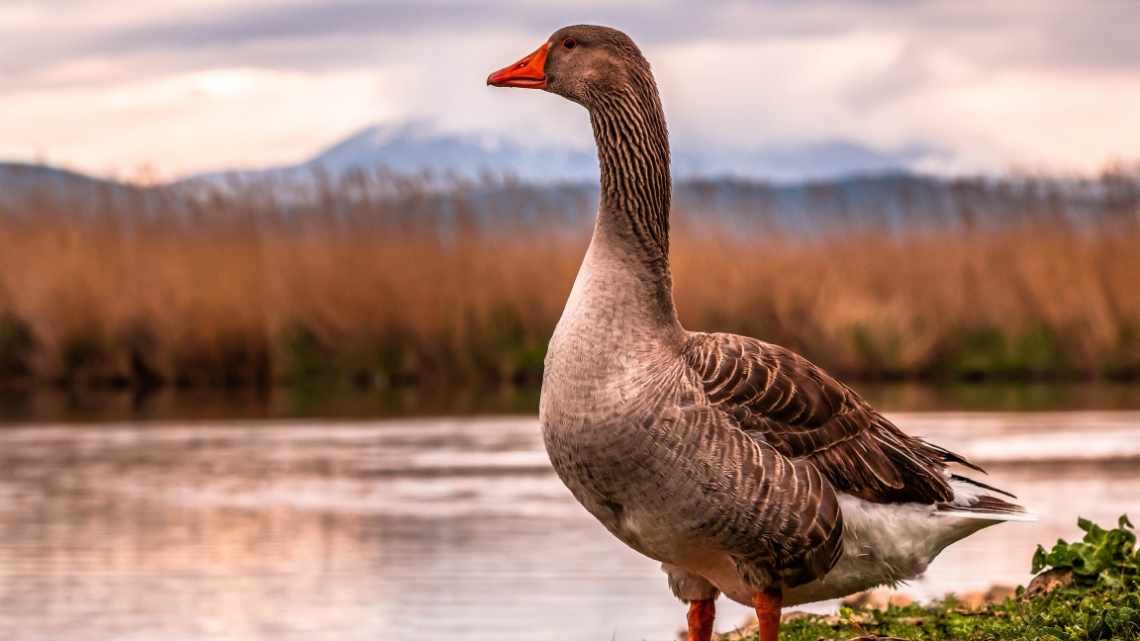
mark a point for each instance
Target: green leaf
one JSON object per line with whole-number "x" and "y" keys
{"x": 1094, "y": 534}
{"x": 1039, "y": 558}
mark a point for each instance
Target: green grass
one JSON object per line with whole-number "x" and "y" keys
{"x": 1101, "y": 602}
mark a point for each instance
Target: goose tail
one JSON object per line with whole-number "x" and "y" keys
{"x": 977, "y": 500}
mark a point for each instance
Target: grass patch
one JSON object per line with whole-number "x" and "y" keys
{"x": 1096, "y": 596}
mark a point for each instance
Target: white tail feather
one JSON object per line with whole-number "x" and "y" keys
{"x": 990, "y": 516}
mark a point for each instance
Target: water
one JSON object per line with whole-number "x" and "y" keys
{"x": 419, "y": 529}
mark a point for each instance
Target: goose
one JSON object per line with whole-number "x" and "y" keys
{"x": 740, "y": 466}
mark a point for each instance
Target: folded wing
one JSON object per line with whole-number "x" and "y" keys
{"x": 785, "y": 401}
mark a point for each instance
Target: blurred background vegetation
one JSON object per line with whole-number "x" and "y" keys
{"x": 386, "y": 281}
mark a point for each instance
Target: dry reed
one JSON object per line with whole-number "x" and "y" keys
{"x": 242, "y": 290}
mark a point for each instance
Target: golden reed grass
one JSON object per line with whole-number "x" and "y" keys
{"x": 235, "y": 291}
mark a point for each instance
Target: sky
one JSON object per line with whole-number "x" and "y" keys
{"x": 166, "y": 88}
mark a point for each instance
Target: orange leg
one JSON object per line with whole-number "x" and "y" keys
{"x": 701, "y": 615}
{"x": 768, "y": 604}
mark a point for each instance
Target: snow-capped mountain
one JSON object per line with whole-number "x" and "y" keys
{"x": 418, "y": 146}
{"x": 415, "y": 147}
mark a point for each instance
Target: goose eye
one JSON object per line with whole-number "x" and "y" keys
{"x": 569, "y": 43}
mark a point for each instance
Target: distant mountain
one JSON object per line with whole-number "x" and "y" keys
{"x": 23, "y": 183}
{"x": 794, "y": 187}
{"x": 416, "y": 147}
{"x": 20, "y": 179}
{"x": 898, "y": 200}
{"x": 813, "y": 161}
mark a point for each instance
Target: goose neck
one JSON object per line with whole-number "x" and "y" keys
{"x": 633, "y": 158}
{"x": 631, "y": 235}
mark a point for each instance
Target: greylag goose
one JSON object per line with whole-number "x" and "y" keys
{"x": 741, "y": 467}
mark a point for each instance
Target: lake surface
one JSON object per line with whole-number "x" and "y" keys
{"x": 420, "y": 529}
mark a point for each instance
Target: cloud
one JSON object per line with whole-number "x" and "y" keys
{"x": 1045, "y": 85}
{"x": 186, "y": 122}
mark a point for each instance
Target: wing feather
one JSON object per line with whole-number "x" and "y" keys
{"x": 780, "y": 398}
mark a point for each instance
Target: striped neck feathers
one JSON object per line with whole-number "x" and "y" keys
{"x": 631, "y": 234}
{"x": 633, "y": 156}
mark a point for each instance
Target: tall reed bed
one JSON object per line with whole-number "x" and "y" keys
{"x": 398, "y": 282}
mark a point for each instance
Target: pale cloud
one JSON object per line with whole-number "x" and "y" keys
{"x": 190, "y": 85}
{"x": 188, "y": 122}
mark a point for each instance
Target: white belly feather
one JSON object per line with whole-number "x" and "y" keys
{"x": 885, "y": 544}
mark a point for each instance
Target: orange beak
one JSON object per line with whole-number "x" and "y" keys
{"x": 528, "y": 73}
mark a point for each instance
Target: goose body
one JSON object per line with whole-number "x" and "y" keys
{"x": 739, "y": 465}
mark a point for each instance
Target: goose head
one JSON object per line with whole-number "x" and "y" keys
{"x": 603, "y": 70}
{"x": 581, "y": 63}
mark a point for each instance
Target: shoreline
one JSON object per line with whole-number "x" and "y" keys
{"x": 39, "y": 403}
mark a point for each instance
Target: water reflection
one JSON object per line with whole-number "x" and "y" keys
{"x": 416, "y": 529}
{"x": 55, "y": 405}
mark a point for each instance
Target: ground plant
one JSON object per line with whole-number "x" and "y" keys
{"x": 1095, "y": 595}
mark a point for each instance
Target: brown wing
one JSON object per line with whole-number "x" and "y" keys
{"x": 781, "y": 398}
{"x": 778, "y": 518}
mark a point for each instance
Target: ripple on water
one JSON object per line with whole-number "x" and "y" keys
{"x": 453, "y": 528}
